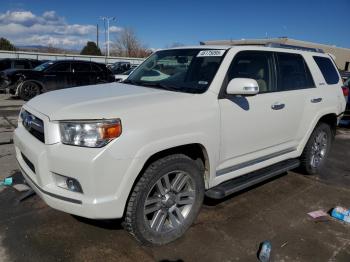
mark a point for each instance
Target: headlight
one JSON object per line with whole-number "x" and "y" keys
{"x": 90, "y": 133}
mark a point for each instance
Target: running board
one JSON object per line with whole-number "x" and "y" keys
{"x": 237, "y": 184}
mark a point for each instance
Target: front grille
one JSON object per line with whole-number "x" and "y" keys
{"x": 33, "y": 124}
{"x": 29, "y": 164}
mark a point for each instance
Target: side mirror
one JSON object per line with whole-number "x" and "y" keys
{"x": 242, "y": 86}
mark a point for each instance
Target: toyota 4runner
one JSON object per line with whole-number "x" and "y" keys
{"x": 188, "y": 122}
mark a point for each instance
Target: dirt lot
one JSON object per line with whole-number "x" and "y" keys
{"x": 228, "y": 230}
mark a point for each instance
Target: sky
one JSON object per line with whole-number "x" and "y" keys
{"x": 159, "y": 24}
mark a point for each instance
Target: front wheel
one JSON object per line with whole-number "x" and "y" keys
{"x": 166, "y": 200}
{"x": 28, "y": 90}
{"x": 316, "y": 150}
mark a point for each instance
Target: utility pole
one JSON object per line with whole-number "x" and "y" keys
{"x": 97, "y": 35}
{"x": 107, "y": 19}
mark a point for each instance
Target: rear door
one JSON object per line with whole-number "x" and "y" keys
{"x": 297, "y": 84}
{"x": 81, "y": 72}
{"x": 261, "y": 127}
{"x": 58, "y": 76}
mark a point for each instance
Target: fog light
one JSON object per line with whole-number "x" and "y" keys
{"x": 73, "y": 185}
{"x": 68, "y": 183}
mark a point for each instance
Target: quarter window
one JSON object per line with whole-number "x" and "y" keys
{"x": 293, "y": 72}
{"x": 255, "y": 65}
{"x": 328, "y": 70}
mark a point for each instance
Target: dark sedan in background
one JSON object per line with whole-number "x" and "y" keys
{"x": 54, "y": 75}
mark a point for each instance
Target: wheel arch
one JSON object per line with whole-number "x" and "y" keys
{"x": 195, "y": 151}
{"x": 329, "y": 118}
{"x": 41, "y": 86}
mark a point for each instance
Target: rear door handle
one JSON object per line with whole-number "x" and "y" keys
{"x": 316, "y": 100}
{"x": 278, "y": 106}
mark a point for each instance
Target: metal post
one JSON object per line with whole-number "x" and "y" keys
{"x": 107, "y": 37}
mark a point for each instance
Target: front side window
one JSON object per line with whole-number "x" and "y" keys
{"x": 328, "y": 70}
{"x": 183, "y": 70}
{"x": 293, "y": 73}
{"x": 255, "y": 65}
{"x": 61, "y": 67}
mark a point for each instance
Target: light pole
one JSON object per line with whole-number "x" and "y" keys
{"x": 107, "y": 19}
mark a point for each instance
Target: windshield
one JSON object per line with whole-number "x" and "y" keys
{"x": 183, "y": 70}
{"x": 43, "y": 66}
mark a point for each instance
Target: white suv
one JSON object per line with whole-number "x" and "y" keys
{"x": 188, "y": 122}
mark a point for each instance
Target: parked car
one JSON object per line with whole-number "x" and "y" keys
{"x": 54, "y": 75}
{"x": 119, "y": 67}
{"x": 14, "y": 63}
{"x": 18, "y": 63}
{"x": 346, "y": 88}
{"x": 123, "y": 76}
{"x": 217, "y": 119}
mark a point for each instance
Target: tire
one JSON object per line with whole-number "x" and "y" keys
{"x": 28, "y": 90}
{"x": 170, "y": 208}
{"x": 316, "y": 150}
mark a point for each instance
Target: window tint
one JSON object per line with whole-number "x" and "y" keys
{"x": 21, "y": 64}
{"x": 293, "y": 72}
{"x": 5, "y": 64}
{"x": 81, "y": 67}
{"x": 328, "y": 70}
{"x": 96, "y": 68}
{"x": 61, "y": 67}
{"x": 255, "y": 65}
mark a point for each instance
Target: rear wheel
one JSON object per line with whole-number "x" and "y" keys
{"x": 28, "y": 90}
{"x": 166, "y": 200}
{"x": 317, "y": 149}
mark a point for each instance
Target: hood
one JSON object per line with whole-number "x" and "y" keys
{"x": 100, "y": 101}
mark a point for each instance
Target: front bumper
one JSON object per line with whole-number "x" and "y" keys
{"x": 99, "y": 173}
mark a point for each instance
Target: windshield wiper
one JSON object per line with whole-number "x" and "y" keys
{"x": 160, "y": 86}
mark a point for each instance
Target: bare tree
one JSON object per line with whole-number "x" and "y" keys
{"x": 127, "y": 44}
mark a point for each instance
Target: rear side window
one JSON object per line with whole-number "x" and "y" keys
{"x": 81, "y": 67}
{"x": 293, "y": 73}
{"x": 328, "y": 70}
{"x": 96, "y": 68}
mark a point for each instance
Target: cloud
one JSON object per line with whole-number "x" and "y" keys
{"x": 27, "y": 28}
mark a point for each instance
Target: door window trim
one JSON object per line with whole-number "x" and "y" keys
{"x": 274, "y": 74}
{"x": 272, "y": 68}
{"x": 306, "y": 70}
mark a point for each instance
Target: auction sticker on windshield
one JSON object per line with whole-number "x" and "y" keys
{"x": 204, "y": 53}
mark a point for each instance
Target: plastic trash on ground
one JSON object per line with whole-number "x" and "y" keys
{"x": 265, "y": 251}
{"x": 6, "y": 182}
{"x": 341, "y": 213}
{"x": 317, "y": 214}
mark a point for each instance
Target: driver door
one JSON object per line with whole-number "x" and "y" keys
{"x": 58, "y": 76}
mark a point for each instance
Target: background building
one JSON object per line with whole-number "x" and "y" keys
{"x": 342, "y": 55}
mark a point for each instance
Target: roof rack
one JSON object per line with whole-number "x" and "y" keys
{"x": 295, "y": 47}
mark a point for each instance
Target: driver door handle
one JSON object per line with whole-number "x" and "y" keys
{"x": 278, "y": 106}
{"x": 316, "y": 100}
